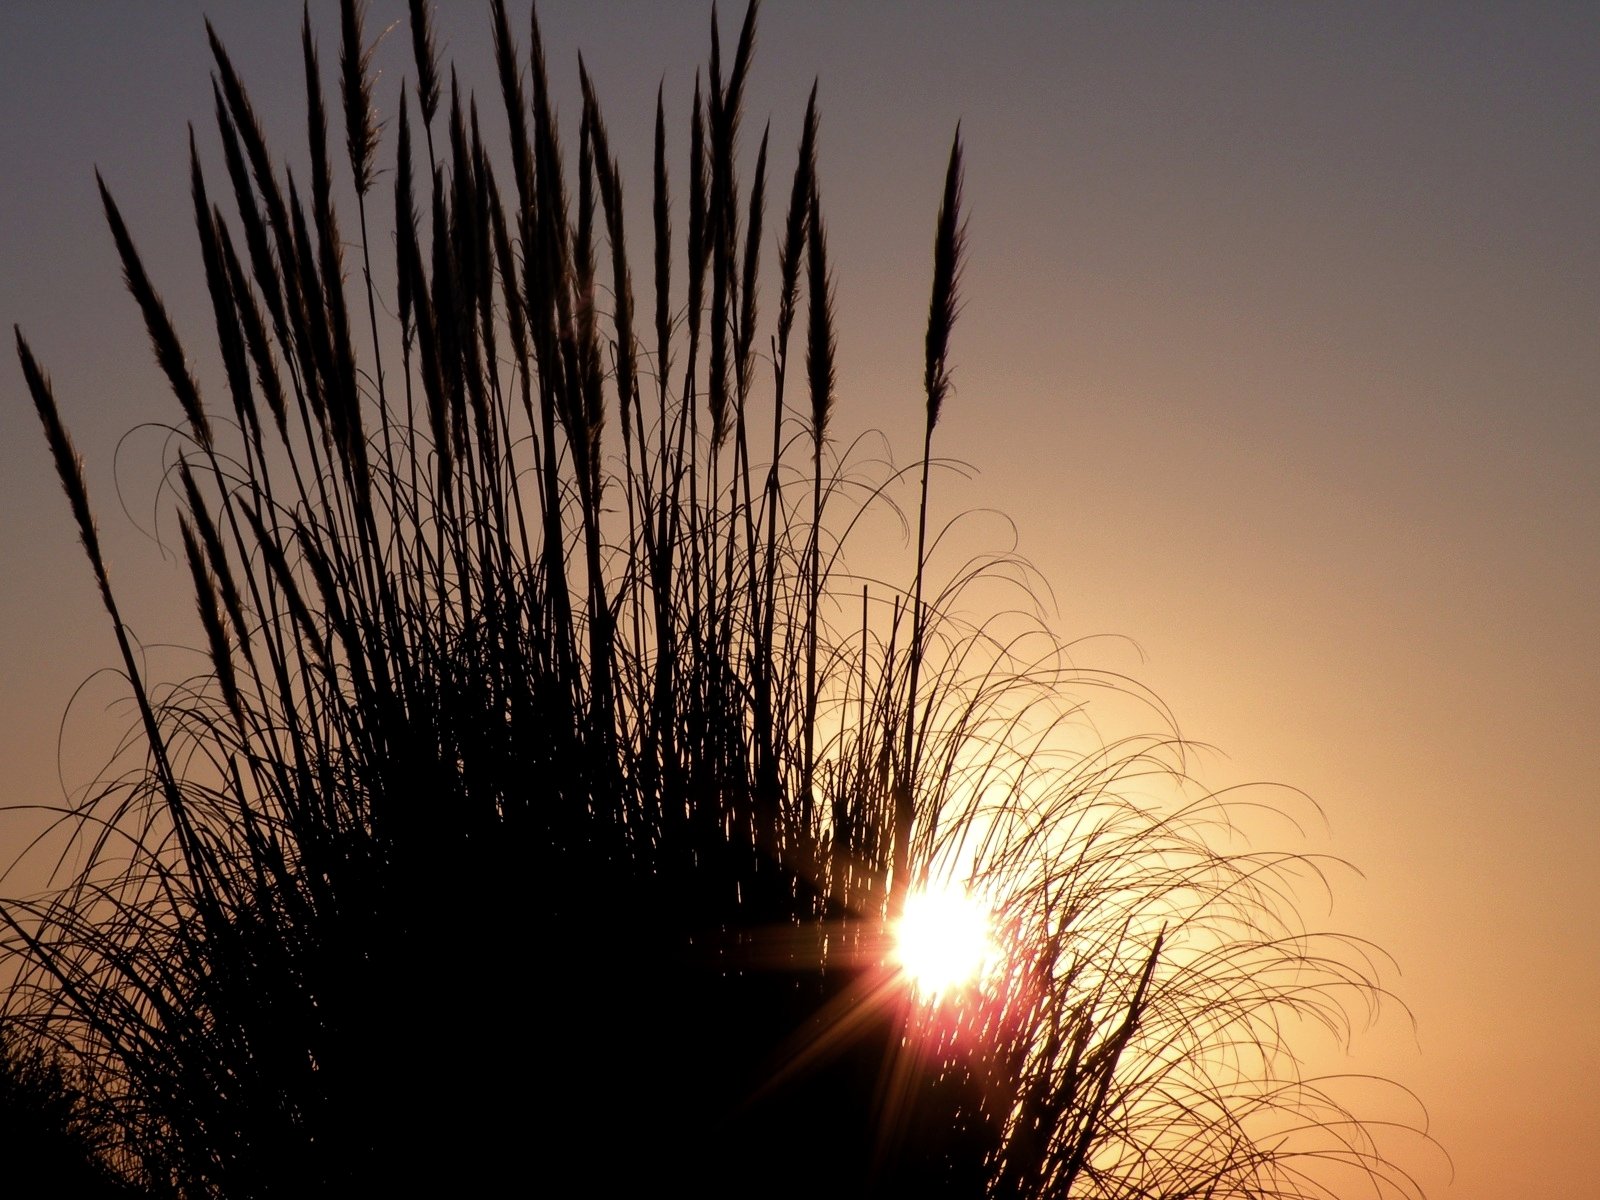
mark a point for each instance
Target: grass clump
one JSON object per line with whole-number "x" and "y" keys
{"x": 51, "y": 1134}
{"x": 545, "y": 806}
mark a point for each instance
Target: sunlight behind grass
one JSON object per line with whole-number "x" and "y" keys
{"x": 943, "y": 940}
{"x": 532, "y": 639}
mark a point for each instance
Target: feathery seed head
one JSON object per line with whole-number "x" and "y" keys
{"x": 360, "y": 121}
{"x": 948, "y": 242}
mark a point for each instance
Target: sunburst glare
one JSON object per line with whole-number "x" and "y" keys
{"x": 943, "y": 939}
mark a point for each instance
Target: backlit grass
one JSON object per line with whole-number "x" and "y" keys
{"x": 544, "y": 815}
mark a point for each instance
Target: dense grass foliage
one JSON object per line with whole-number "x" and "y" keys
{"x": 52, "y": 1138}
{"x": 544, "y": 810}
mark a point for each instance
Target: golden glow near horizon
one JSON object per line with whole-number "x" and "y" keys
{"x": 943, "y": 940}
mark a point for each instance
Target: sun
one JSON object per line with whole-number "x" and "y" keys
{"x": 942, "y": 939}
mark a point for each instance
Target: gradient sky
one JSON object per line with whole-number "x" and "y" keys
{"x": 1281, "y": 348}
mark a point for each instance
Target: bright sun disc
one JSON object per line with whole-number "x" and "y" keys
{"x": 942, "y": 940}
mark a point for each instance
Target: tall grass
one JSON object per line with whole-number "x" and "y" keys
{"x": 543, "y": 811}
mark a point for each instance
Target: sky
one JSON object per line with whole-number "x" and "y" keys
{"x": 1280, "y": 349}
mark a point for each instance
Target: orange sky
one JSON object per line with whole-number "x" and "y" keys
{"x": 1279, "y": 347}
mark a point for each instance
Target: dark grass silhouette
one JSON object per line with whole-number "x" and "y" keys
{"x": 542, "y": 814}
{"x": 52, "y": 1139}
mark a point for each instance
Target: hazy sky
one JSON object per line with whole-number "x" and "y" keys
{"x": 1281, "y": 347}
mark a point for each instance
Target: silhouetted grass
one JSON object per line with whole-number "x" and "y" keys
{"x": 52, "y": 1139}
{"x": 542, "y": 818}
